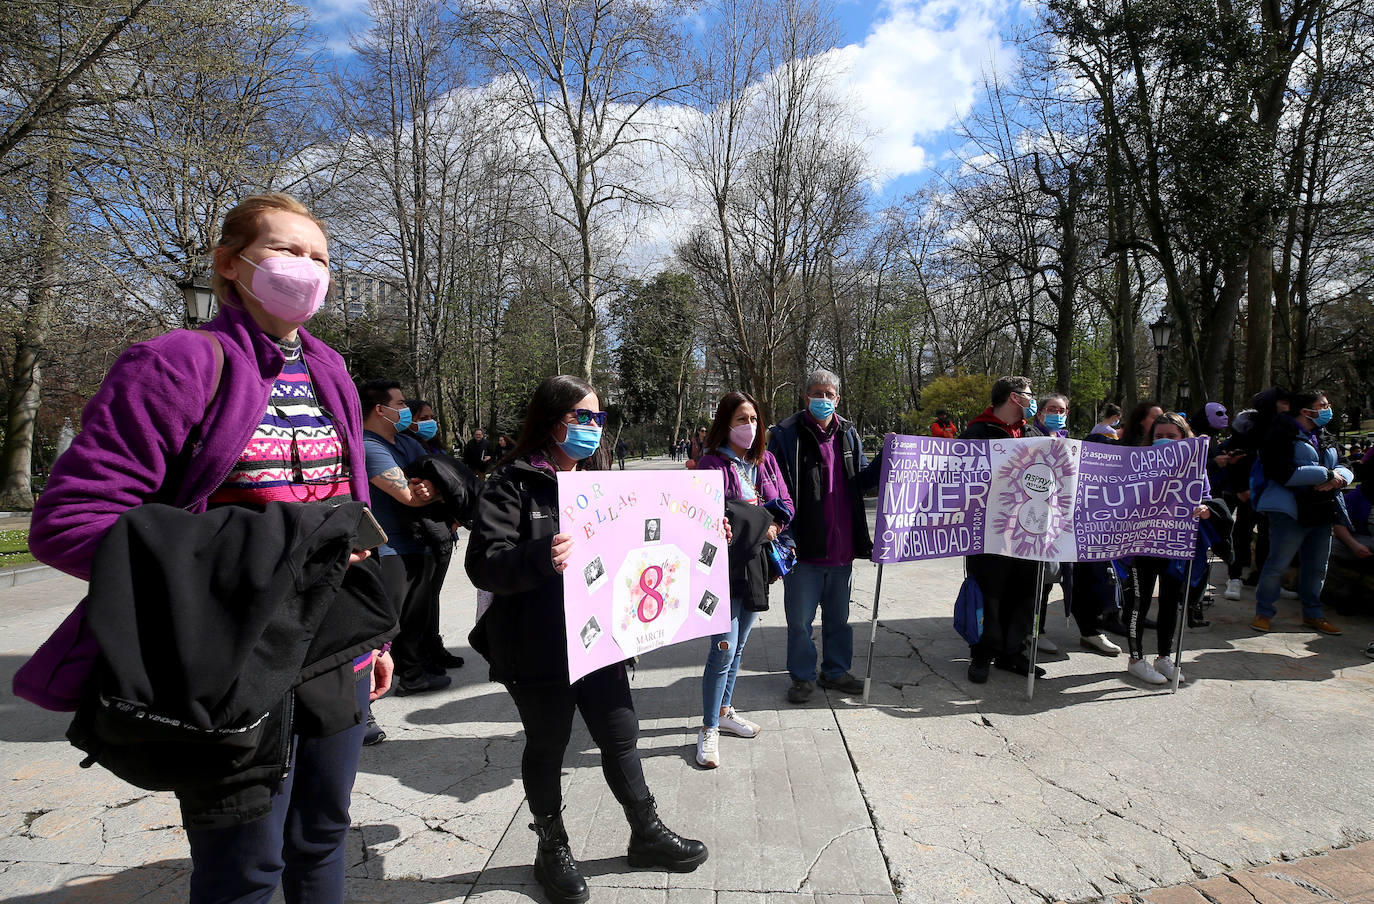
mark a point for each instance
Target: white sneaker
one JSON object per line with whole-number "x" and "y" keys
{"x": 1165, "y": 666}
{"x": 708, "y": 747}
{"x": 733, "y": 723}
{"x": 1232, "y": 591}
{"x": 1286, "y": 594}
{"x": 1100, "y": 643}
{"x": 1146, "y": 672}
{"x": 1046, "y": 645}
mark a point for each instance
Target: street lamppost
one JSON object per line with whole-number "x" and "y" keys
{"x": 1184, "y": 394}
{"x": 199, "y": 299}
{"x": 1160, "y": 332}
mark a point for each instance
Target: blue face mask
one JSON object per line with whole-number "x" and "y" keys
{"x": 1161, "y": 442}
{"x": 1056, "y": 421}
{"x": 1031, "y": 409}
{"x": 427, "y": 429}
{"x": 821, "y": 408}
{"x": 581, "y": 441}
{"x": 405, "y": 416}
{"x": 1323, "y": 417}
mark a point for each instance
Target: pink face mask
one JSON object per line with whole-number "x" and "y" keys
{"x": 290, "y": 288}
{"x": 743, "y": 435}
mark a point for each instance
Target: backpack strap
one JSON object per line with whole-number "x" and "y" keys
{"x": 216, "y": 349}
{"x": 177, "y": 467}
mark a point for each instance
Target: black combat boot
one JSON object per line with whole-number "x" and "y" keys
{"x": 655, "y": 846}
{"x": 1195, "y": 617}
{"x": 554, "y": 865}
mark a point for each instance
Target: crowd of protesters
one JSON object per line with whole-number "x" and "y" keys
{"x": 1282, "y": 490}
{"x": 254, "y": 427}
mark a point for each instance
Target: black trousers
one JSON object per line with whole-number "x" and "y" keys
{"x": 1009, "y": 593}
{"x": 1093, "y": 594}
{"x": 603, "y": 699}
{"x": 1139, "y": 587}
{"x": 434, "y": 642}
{"x": 407, "y": 577}
{"x": 301, "y": 844}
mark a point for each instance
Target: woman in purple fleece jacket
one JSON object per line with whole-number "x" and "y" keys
{"x": 751, "y": 475}
{"x": 197, "y": 418}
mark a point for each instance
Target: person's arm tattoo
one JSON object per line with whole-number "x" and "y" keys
{"x": 393, "y": 481}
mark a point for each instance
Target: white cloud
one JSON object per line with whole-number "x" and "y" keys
{"x": 329, "y": 10}
{"x": 918, "y": 70}
{"x": 908, "y": 81}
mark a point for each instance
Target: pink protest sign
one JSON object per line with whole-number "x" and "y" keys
{"x": 648, "y": 567}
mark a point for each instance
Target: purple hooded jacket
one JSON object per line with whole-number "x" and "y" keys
{"x": 771, "y": 486}
{"x": 133, "y": 428}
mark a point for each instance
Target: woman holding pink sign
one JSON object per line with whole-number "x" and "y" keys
{"x": 516, "y": 553}
{"x": 751, "y": 476}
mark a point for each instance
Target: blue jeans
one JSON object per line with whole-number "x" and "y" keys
{"x": 722, "y": 664}
{"x": 301, "y": 844}
{"x": 807, "y": 588}
{"x": 1312, "y": 546}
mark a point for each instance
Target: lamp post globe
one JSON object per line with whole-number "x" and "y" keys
{"x": 199, "y": 299}
{"x": 1161, "y": 331}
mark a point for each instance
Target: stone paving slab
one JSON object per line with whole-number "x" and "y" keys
{"x": 1343, "y": 875}
{"x": 1250, "y": 784}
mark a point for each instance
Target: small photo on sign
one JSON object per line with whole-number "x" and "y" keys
{"x": 707, "y": 558}
{"x": 591, "y": 632}
{"x": 707, "y": 606}
{"x": 653, "y": 530}
{"x": 594, "y": 573}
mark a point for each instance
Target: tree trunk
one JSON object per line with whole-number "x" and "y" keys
{"x": 1259, "y": 317}
{"x": 1068, "y": 282}
{"x": 1124, "y": 313}
{"x": 26, "y": 382}
{"x": 1219, "y": 330}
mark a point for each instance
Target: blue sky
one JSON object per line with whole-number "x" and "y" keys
{"x": 911, "y": 68}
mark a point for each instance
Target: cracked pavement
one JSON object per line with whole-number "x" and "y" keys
{"x": 936, "y": 791}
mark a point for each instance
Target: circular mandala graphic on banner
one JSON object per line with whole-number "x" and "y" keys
{"x": 650, "y": 597}
{"x": 1035, "y": 500}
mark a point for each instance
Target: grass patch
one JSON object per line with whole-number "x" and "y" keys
{"x": 14, "y": 548}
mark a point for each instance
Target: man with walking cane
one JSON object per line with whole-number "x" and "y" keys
{"x": 1010, "y": 586}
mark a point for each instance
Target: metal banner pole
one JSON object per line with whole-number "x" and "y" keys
{"x": 873, "y": 632}
{"x": 1182, "y": 621}
{"x": 1035, "y": 628}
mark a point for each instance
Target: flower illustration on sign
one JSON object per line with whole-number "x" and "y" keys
{"x": 649, "y": 597}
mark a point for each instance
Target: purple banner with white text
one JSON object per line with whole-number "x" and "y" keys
{"x": 1042, "y": 498}
{"x": 648, "y": 566}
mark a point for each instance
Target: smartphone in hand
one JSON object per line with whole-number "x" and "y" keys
{"x": 370, "y": 534}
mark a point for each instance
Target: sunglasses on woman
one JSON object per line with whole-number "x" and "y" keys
{"x": 585, "y": 416}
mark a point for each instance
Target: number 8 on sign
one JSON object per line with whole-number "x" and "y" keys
{"x": 651, "y": 606}
{"x": 649, "y": 597}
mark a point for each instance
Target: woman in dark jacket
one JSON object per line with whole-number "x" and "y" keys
{"x": 751, "y": 475}
{"x": 425, "y": 429}
{"x": 516, "y": 553}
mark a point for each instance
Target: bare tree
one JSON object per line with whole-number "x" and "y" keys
{"x": 584, "y": 76}
{"x": 71, "y": 70}
{"x": 218, "y": 116}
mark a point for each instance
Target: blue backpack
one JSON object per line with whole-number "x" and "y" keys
{"x": 968, "y": 611}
